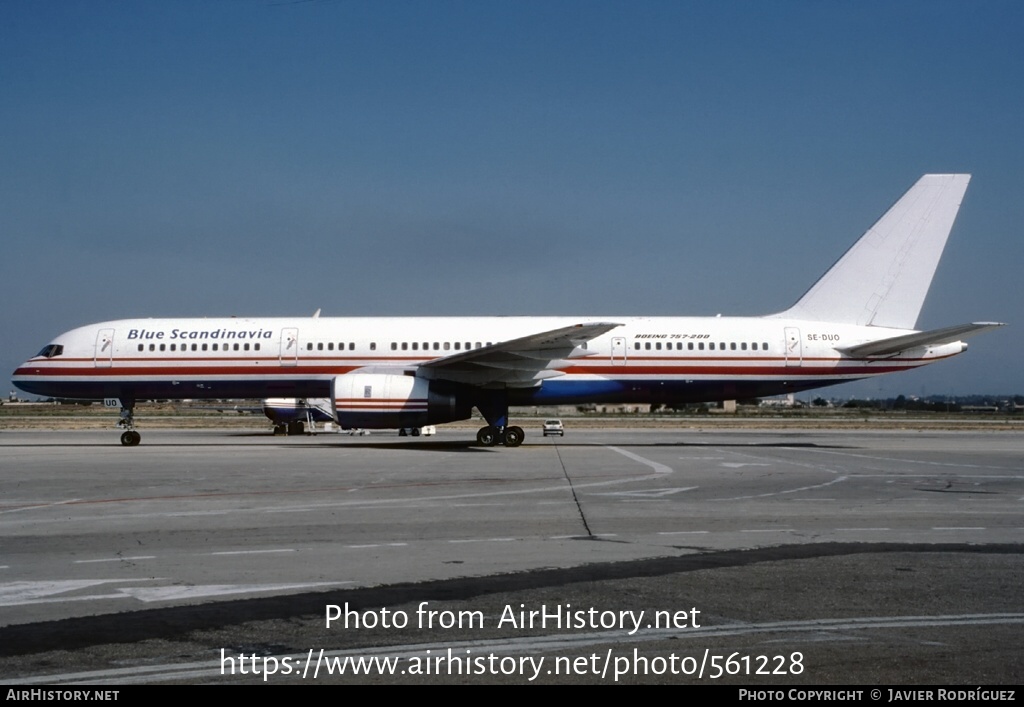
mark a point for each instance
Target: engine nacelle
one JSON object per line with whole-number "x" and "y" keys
{"x": 384, "y": 401}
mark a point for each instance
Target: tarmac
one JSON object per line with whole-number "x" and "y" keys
{"x": 746, "y": 557}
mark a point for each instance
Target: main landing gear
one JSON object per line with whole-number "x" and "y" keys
{"x": 493, "y": 405}
{"x": 489, "y": 436}
{"x": 129, "y": 438}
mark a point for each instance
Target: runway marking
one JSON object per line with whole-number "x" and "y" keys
{"x": 862, "y": 529}
{"x": 780, "y": 493}
{"x": 482, "y": 540}
{"x": 740, "y": 465}
{"x": 141, "y": 674}
{"x": 25, "y": 593}
{"x": 770, "y": 530}
{"x": 116, "y": 559}
{"x": 251, "y": 552}
{"x": 893, "y": 460}
{"x": 658, "y": 468}
{"x": 684, "y": 532}
{"x": 154, "y": 594}
{"x": 652, "y": 493}
{"x": 955, "y": 528}
{"x": 18, "y": 593}
{"x": 37, "y": 506}
{"x": 370, "y": 545}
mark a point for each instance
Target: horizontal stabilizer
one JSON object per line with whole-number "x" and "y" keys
{"x": 896, "y": 344}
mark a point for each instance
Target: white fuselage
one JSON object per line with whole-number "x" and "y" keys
{"x": 644, "y": 359}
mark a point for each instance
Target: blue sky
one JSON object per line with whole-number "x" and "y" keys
{"x": 272, "y": 158}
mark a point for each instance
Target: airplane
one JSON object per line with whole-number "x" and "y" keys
{"x": 857, "y": 321}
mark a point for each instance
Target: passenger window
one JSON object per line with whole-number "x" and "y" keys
{"x": 373, "y": 346}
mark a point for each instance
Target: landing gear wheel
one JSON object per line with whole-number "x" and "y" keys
{"x": 487, "y": 436}
{"x": 130, "y": 438}
{"x": 514, "y": 436}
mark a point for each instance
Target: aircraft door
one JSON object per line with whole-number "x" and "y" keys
{"x": 794, "y": 349}
{"x": 289, "y": 346}
{"x": 618, "y": 351}
{"x": 104, "y": 348}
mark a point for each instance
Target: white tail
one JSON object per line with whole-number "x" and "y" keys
{"x": 883, "y": 279}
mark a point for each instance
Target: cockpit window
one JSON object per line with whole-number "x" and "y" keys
{"x": 51, "y": 350}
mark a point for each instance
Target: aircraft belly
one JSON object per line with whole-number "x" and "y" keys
{"x": 567, "y": 392}
{"x": 171, "y": 390}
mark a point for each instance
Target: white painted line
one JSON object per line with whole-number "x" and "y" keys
{"x": 39, "y": 506}
{"x": 251, "y": 552}
{"x": 647, "y": 493}
{"x": 953, "y": 528}
{"x": 151, "y": 594}
{"x": 658, "y": 468}
{"x": 115, "y": 559}
{"x": 685, "y": 532}
{"x": 771, "y": 530}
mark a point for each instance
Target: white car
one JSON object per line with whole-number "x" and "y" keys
{"x": 554, "y": 427}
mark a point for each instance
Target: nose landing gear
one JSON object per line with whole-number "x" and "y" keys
{"x": 129, "y": 438}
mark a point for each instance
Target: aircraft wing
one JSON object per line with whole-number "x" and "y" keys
{"x": 518, "y": 362}
{"x": 896, "y": 344}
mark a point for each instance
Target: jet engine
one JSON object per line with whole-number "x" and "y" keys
{"x": 388, "y": 401}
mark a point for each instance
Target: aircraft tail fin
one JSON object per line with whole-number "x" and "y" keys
{"x": 882, "y": 280}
